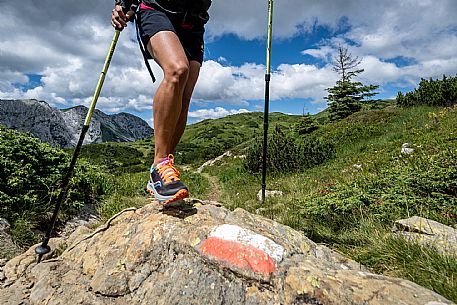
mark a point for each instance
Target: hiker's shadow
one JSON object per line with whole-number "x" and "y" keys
{"x": 180, "y": 209}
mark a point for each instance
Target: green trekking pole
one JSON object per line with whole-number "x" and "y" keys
{"x": 267, "y": 99}
{"x": 44, "y": 247}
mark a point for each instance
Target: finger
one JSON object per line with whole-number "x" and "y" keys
{"x": 116, "y": 24}
{"x": 116, "y": 19}
{"x": 129, "y": 14}
{"x": 121, "y": 22}
{"x": 119, "y": 27}
{"x": 120, "y": 12}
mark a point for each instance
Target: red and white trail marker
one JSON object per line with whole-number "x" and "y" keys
{"x": 243, "y": 249}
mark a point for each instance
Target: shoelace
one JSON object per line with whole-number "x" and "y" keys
{"x": 167, "y": 171}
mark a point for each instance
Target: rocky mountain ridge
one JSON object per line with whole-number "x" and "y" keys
{"x": 197, "y": 253}
{"x": 62, "y": 127}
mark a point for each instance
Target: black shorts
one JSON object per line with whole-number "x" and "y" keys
{"x": 151, "y": 22}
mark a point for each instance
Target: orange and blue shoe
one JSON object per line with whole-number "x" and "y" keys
{"x": 164, "y": 183}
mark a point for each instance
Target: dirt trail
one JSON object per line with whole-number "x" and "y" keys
{"x": 215, "y": 193}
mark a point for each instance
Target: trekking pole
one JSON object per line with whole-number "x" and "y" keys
{"x": 44, "y": 247}
{"x": 267, "y": 99}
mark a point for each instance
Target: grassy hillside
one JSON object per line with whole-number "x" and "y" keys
{"x": 367, "y": 143}
{"x": 210, "y": 138}
{"x": 201, "y": 141}
{"x": 351, "y": 201}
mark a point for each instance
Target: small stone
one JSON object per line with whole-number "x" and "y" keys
{"x": 405, "y": 149}
{"x": 4, "y": 225}
{"x": 268, "y": 194}
{"x": 428, "y": 233}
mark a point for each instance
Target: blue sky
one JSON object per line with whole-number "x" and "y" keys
{"x": 55, "y": 51}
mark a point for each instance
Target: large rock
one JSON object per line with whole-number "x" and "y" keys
{"x": 429, "y": 233}
{"x": 200, "y": 254}
{"x": 8, "y": 248}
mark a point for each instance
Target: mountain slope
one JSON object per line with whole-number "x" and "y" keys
{"x": 62, "y": 127}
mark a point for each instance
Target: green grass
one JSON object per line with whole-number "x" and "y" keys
{"x": 371, "y": 243}
{"x": 211, "y": 138}
{"x": 127, "y": 190}
{"x": 198, "y": 185}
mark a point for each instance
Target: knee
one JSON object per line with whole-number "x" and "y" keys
{"x": 177, "y": 73}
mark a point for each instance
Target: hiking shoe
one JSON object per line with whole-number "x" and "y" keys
{"x": 164, "y": 183}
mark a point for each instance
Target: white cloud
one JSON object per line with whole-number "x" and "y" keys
{"x": 323, "y": 53}
{"x": 302, "y": 81}
{"x": 236, "y": 85}
{"x": 214, "y": 113}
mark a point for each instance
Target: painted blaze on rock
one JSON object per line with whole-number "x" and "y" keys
{"x": 243, "y": 248}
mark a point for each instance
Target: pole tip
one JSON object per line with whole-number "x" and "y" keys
{"x": 41, "y": 251}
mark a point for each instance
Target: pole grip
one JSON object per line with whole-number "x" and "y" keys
{"x": 269, "y": 34}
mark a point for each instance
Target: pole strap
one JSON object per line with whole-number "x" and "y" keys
{"x": 142, "y": 48}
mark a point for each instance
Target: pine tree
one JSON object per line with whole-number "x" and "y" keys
{"x": 346, "y": 96}
{"x": 306, "y": 125}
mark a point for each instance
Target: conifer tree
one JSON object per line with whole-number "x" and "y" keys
{"x": 346, "y": 96}
{"x": 306, "y": 125}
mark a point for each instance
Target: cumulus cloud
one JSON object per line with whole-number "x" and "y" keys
{"x": 320, "y": 53}
{"x": 66, "y": 42}
{"x": 213, "y": 113}
{"x": 238, "y": 84}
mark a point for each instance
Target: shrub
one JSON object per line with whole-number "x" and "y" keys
{"x": 421, "y": 185}
{"x": 314, "y": 151}
{"x": 282, "y": 153}
{"x": 29, "y": 175}
{"x": 432, "y": 93}
{"x": 286, "y": 154}
{"x": 306, "y": 125}
{"x": 115, "y": 158}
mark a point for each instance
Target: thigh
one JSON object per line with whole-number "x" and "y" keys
{"x": 160, "y": 38}
{"x": 166, "y": 49}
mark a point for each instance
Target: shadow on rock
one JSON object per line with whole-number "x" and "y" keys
{"x": 180, "y": 209}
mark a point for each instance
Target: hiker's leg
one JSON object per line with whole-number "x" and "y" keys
{"x": 167, "y": 51}
{"x": 194, "y": 70}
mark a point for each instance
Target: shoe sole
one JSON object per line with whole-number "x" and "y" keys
{"x": 165, "y": 200}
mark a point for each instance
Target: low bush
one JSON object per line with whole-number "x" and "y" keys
{"x": 30, "y": 173}
{"x": 114, "y": 158}
{"x": 418, "y": 185}
{"x": 287, "y": 154}
{"x": 306, "y": 125}
{"x": 432, "y": 93}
